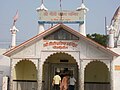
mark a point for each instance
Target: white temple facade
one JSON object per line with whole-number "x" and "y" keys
{"x": 35, "y": 61}
{"x": 59, "y": 49}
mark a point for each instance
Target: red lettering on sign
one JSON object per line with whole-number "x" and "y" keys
{"x": 60, "y": 44}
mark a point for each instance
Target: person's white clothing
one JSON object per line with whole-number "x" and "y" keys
{"x": 72, "y": 81}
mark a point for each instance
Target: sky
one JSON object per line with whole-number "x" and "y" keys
{"x": 27, "y": 22}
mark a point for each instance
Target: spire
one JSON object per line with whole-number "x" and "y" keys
{"x": 39, "y": 10}
{"x": 84, "y": 9}
{"x": 13, "y": 30}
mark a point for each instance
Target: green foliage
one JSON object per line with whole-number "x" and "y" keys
{"x": 101, "y": 39}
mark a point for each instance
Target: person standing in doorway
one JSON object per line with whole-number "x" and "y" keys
{"x": 72, "y": 82}
{"x": 65, "y": 82}
{"x": 56, "y": 81}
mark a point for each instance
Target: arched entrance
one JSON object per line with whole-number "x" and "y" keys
{"x": 97, "y": 76}
{"x": 25, "y": 76}
{"x": 58, "y": 62}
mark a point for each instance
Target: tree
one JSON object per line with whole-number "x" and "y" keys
{"x": 101, "y": 39}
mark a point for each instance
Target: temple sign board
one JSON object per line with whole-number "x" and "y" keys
{"x": 55, "y": 16}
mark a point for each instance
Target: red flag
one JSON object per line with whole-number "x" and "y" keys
{"x": 16, "y": 17}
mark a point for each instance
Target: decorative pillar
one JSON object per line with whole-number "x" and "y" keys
{"x": 111, "y": 36}
{"x": 13, "y": 32}
{"x": 41, "y": 28}
{"x": 111, "y": 40}
{"x": 39, "y": 10}
{"x": 83, "y": 26}
{"x": 81, "y": 75}
{"x": 11, "y": 75}
{"x": 40, "y": 70}
{"x": 111, "y": 75}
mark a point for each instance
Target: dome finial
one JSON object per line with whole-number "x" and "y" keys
{"x": 42, "y": 7}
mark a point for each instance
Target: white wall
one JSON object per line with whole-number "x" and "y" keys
{"x": 4, "y": 66}
{"x": 116, "y": 70}
{"x": 116, "y": 74}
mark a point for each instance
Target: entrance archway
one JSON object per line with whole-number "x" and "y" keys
{"x": 25, "y": 76}
{"x": 58, "y": 62}
{"x": 97, "y": 76}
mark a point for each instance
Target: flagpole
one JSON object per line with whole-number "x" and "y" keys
{"x": 105, "y": 26}
{"x": 82, "y": 1}
{"x": 42, "y": 1}
{"x": 61, "y": 14}
{"x": 13, "y": 23}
